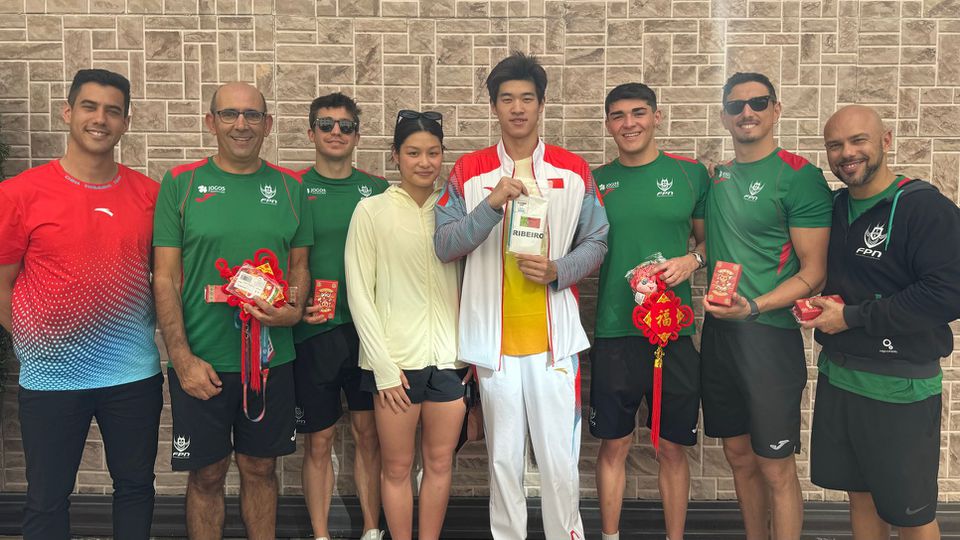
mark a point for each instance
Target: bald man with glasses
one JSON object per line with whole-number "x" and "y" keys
{"x": 229, "y": 205}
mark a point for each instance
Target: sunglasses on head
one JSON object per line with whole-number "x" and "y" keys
{"x": 757, "y": 104}
{"x": 407, "y": 114}
{"x": 325, "y": 124}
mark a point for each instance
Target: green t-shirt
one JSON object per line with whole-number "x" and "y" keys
{"x": 650, "y": 208}
{"x": 750, "y": 210}
{"x": 208, "y": 213}
{"x": 885, "y": 388}
{"x": 332, "y": 202}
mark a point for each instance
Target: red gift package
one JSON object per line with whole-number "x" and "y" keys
{"x": 726, "y": 277}
{"x": 803, "y": 310}
{"x": 256, "y": 282}
{"x": 325, "y": 296}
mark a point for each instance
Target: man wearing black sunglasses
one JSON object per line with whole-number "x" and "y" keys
{"x": 768, "y": 210}
{"x": 229, "y": 205}
{"x": 327, "y": 346}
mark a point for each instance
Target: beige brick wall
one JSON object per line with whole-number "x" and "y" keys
{"x": 434, "y": 54}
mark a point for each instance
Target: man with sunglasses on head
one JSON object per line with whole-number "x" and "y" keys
{"x": 768, "y": 210}
{"x": 229, "y": 205}
{"x": 519, "y": 321}
{"x": 328, "y": 357}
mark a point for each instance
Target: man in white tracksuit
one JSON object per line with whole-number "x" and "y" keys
{"x": 519, "y": 318}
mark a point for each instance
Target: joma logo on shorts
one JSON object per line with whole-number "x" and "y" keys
{"x": 780, "y": 444}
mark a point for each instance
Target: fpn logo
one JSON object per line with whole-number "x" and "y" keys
{"x": 755, "y": 189}
{"x": 365, "y": 191}
{"x": 872, "y": 238}
{"x": 180, "y": 445}
{"x": 664, "y": 185}
{"x": 268, "y": 192}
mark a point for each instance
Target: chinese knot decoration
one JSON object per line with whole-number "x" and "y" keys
{"x": 660, "y": 316}
{"x": 261, "y": 278}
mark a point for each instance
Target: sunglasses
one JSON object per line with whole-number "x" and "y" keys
{"x": 229, "y": 116}
{"x": 325, "y": 124}
{"x": 757, "y": 104}
{"x": 407, "y": 114}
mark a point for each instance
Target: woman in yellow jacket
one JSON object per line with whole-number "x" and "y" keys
{"x": 404, "y": 303}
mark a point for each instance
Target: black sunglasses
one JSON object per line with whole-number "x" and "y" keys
{"x": 757, "y": 104}
{"x": 325, "y": 124}
{"x": 407, "y": 114}
{"x": 229, "y": 116}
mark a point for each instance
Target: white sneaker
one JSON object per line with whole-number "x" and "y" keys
{"x": 323, "y": 538}
{"x": 373, "y": 534}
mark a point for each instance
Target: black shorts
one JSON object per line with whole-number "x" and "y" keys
{"x": 427, "y": 384}
{"x": 204, "y": 432}
{"x": 621, "y": 375}
{"x": 326, "y": 365}
{"x": 752, "y": 380}
{"x": 891, "y": 450}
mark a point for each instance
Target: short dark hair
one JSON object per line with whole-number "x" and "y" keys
{"x": 213, "y": 100}
{"x": 335, "y": 101}
{"x": 408, "y": 126}
{"x": 631, "y": 91}
{"x": 745, "y": 77}
{"x": 517, "y": 67}
{"x": 103, "y": 78}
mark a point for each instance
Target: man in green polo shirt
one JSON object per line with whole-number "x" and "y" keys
{"x": 768, "y": 210}
{"x": 894, "y": 259}
{"x": 654, "y": 201}
{"x": 229, "y": 205}
{"x": 328, "y": 348}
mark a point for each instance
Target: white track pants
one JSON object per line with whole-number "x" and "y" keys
{"x": 533, "y": 391}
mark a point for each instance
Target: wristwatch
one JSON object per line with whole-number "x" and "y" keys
{"x": 754, "y": 310}
{"x": 696, "y": 255}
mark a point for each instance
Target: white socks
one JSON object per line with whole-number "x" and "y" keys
{"x": 614, "y": 536}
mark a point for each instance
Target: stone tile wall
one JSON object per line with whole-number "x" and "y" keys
{"x": 900, "y": 56}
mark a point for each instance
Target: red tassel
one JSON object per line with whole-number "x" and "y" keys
{"x": 657, "y": 394}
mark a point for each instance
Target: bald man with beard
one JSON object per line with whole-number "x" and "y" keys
{"x": 895, "y": 261}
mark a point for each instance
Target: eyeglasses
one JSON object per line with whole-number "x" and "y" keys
{"x": 757, "y": 104}
{"x": 325, "y": 124}
{"x": 407, "y": 114}
{"x": 229, "y": 116}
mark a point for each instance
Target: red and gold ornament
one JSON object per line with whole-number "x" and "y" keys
{"x": 660, "y": 317}
{"x": 261, "y": 278}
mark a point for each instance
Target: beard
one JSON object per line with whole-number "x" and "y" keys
{"x": 869, "y": 173}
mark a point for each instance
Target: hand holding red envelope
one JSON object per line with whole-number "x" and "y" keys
{"x": 660, "y": 316}
{"x": 260, "y": 278}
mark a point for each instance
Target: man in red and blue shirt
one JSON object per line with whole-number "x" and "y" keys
{"x": 75, "y": 295}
